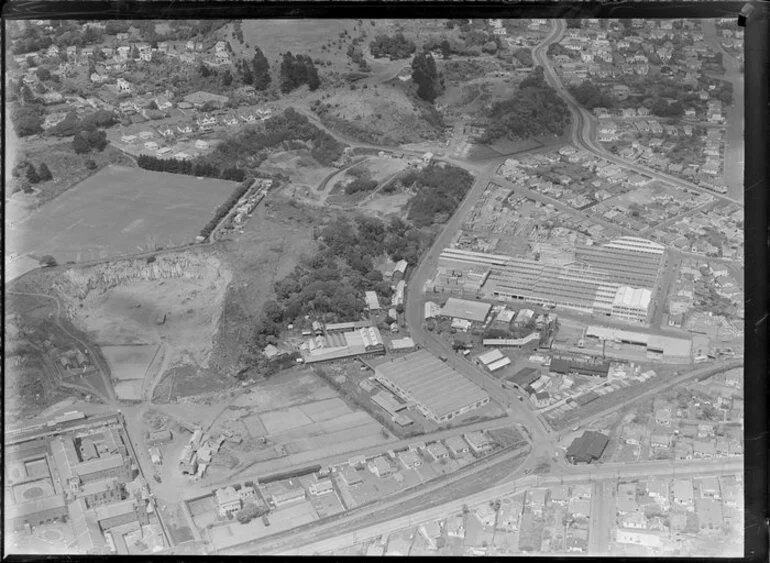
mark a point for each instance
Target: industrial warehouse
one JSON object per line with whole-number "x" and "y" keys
{"x": 437, "y": 390}
{"x": 614, "y": 279}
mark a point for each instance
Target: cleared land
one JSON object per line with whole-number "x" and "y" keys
{"x": 177, "y": 299}
{"x": 128, "y": 362}
{"x": 294, "y": 416}
{"x": 118, "y": 211}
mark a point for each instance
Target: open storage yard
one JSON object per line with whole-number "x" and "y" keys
{"x": 118, "y": 211}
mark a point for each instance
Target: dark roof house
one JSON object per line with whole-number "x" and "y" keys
{"x": 587, "y": 448}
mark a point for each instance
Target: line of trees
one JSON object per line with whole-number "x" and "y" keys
{"x": 198, "y": 167}
{"x": 222, "y": 211}
{"x": 394, "y": 47}
{"x": 297, "y": 70}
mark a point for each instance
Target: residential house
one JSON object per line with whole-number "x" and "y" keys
{"x": 663, "y": 416}
{"x": 281, "y": 493}
{"x": 479, "y": 442}
{"x": 660, "y": 440}
{"x": 409, "y": 460}
{"x": 579, "y": 508}
{"x": 709, "y": 487}
{"x": 380, "y": 467}
{"x": 456, "y": 445}
{"x": 349, "y": 476}
{"x": 228, "y": 501}
{"x": 536, "y": 500}
{"x": 659, "y": 490}
{"x": 455, "y": 526}
{"x": 683, "y": 493}
{"x": 437, "y": 451}
{"x": 633, "y": 434}
{"x": 704, "y": 449}
{"x": 52, "y": 119}
{"x": 163, "y": 103}
{"x": 646, "y": 538}
{"x": 123, "y": 85}
{"x": 634, "y": 520}
{"x": 321, "y": 487}
{"x": 53, "y": 51}
{"x": 201, "y": 144}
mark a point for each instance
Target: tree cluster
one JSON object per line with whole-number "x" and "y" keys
{"x": 331, "y": 283}
{"x": 27, "y": 119}
{"x": 590, "y": 96}
{"x": 89, "y": 140}
{"x": 288, "y": 126}
{"x": 191, "y": 168}
{"x": 360, "y": 185}
{"x": 394, "y": 47}
{"x": 72, "y": 124}
{"x": 250, "y": 511}
{"x": 535, "y": 110}
{"x": 255, "y": 72}
{"x": 425, "y": 75}
{"x": 296, "y": 71}
{"x": 26, "y": 170}
{"x": 439, "y": 192}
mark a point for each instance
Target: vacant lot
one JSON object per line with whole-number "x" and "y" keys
{"x": 119, "y": 211}
{"x": 294, "y": 416}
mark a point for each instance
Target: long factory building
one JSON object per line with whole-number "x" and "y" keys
{"x": 615, "y": 279}
{"x": 434, "y": 387}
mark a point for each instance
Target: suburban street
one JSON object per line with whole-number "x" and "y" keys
{"x": 584, "y": 124}
{"x": 571, "y": 475}
{"x": 734, "y": 149}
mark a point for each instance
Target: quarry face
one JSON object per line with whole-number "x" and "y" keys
{"x": 176, "y": 300}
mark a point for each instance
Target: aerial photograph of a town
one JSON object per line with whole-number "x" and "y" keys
{"x": 454, "y": 287}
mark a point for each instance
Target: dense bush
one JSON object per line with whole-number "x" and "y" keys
{"x": 590, "y": 96}
{"x": 296, "y": 71}
{"x": 360, "y": 185}
{"x": 290, "y": 125}
{"x": 394, "y": 47}
{"x": 425, "y": 75}
{"x": 536, "y": 109}
{"x": 27, "y": 120}
{"x": 440, "y": 191}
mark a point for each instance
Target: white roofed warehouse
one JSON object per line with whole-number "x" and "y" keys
{"x": 475, "y": 311}
{"x": 437, "y": 390}
{"x": 631, "y": 304}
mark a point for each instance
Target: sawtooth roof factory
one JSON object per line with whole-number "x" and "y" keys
{"x": 615, "y": 279}
{"x": 437, "y": 390}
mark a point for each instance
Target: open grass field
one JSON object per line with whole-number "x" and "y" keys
{"x": 118, "y": 211}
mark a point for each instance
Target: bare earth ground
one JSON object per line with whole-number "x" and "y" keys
{"x": 133, "y": 312}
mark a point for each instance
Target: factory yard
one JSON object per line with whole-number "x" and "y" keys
{"x": 90, "y": 220}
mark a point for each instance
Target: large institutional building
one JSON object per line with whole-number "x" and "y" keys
{"x": 437, "y": 390}
{"x": 615, "y": 279}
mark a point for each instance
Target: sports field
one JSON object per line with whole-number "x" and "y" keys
{"x": 119, "y": 210}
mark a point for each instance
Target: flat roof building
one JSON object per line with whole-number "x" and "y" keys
{"x": 438, "y": 391}
{"x": 372, "y": 302}
{"x": 628, "y": 260}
